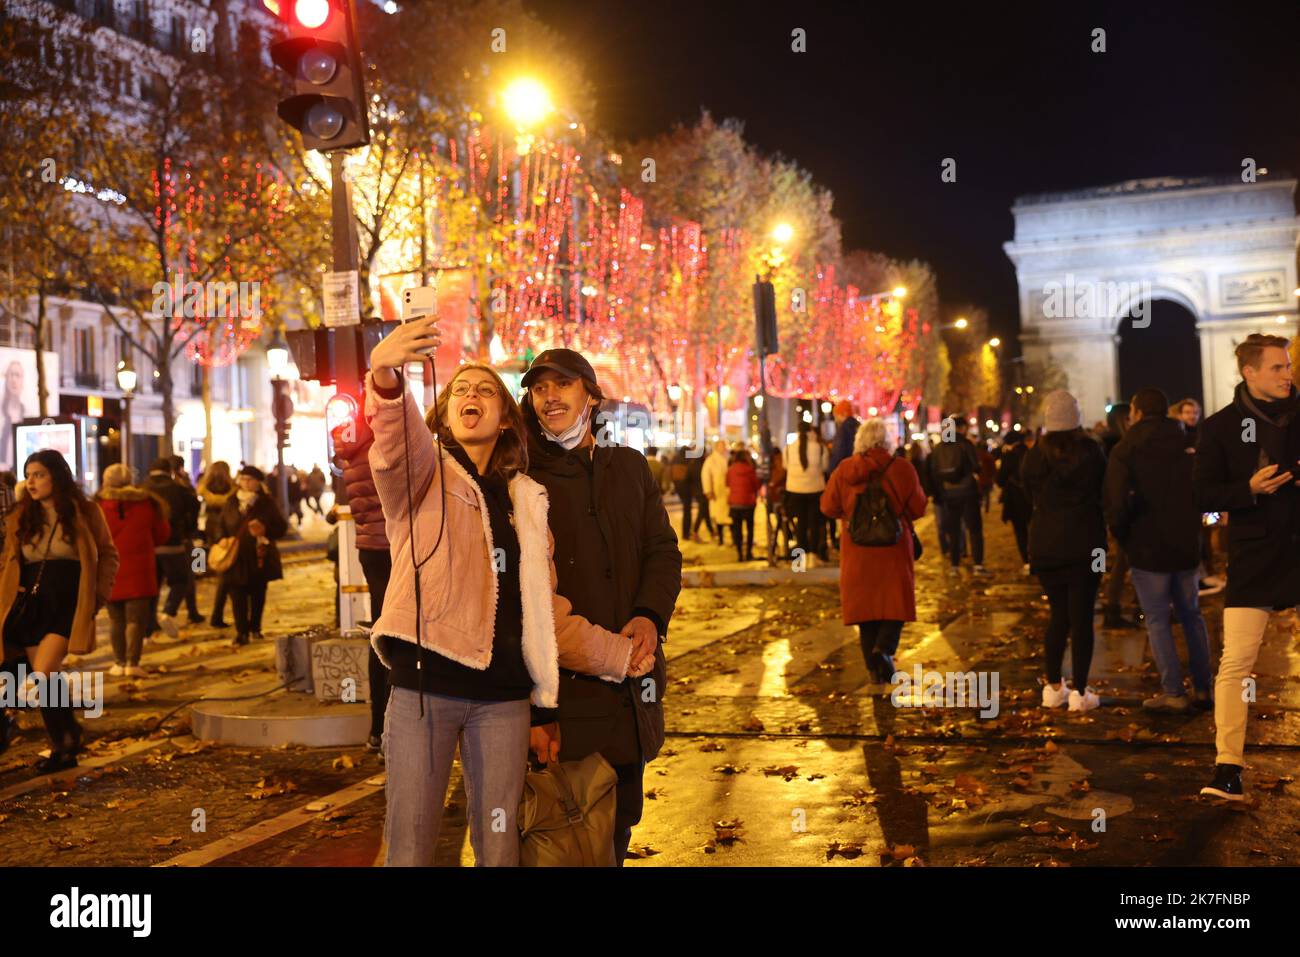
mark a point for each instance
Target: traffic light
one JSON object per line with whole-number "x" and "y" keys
{"x": 320, "y": 52}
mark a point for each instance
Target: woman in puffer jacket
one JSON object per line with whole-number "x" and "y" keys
{"x": 137, "y": 519}
{"x": 472, "y": 627}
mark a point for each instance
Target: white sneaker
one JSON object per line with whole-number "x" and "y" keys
{"x": 980, "y": 570}
{"x": 1054, "y": 697}
{"x": 117, "y": 671}
{"x": 136, "y": 671}
{"x": 1084, "y": 702}
{"x": 168, "y": 625}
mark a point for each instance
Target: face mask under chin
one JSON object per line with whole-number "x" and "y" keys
{"x": 570, "y": 437}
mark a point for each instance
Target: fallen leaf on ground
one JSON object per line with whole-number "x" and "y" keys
{"x": 164, "y": 841}
{"x": 343, "y": 762}
{"x": 753, "y": 724}
{"x": 848, "y": 849}
{"x": 789, "y": 771}
{"x": 713, "y": 746}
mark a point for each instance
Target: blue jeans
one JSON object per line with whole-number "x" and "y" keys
{"x": 1156, "y": 591}
{"x": 418, "y": 751}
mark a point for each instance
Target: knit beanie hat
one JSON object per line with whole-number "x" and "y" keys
{"x": 1061, "y": 412}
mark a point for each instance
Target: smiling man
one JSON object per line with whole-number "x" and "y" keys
{"x": 617, "y": 561}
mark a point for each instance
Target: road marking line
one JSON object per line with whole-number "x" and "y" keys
{"x": 264, "y": 830}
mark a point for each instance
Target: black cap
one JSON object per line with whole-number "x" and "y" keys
{"x": 252, "y": 471}
{"x": 564, "y": 361}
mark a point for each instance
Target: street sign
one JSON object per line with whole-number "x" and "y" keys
{"x": 342, "y": 303}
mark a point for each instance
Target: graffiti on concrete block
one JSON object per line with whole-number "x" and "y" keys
{"x": 338, "y": 667}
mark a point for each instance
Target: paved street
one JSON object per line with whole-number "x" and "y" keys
{"x": 778, "y": 751}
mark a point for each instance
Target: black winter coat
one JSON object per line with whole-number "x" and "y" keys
{"x": 1149, "y": 500}
{"x": 1263, "y": 549}
{"x": 182, "y": 509}
{"x": 1015, "y": 503}
{"x": 247, "y": 568}
{"x": 616, "y": 557}
{"x": 1066, "y": 526}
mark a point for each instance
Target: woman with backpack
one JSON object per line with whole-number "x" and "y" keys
{"x": 870, "y": 490}
{"x": 1063, "y": 475}
{"x": 472, "y": 626}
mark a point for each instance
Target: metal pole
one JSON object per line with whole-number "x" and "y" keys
{"x": 282, "y": 484}
{"x": 347, "y": 376}
{"x": 126, "y": 430}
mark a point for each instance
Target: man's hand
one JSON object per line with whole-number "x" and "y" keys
{"x": 256, "y": 528}
{"x": 645, "y": 639}
{"x": 1265, "y": 482}
{"x": 544, "y": 741}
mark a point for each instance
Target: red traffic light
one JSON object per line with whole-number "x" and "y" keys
{"x": 341, "y": 409}
{"x": 311, "y": 13}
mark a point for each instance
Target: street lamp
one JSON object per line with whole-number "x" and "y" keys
{"x": 995, "y": 342}
{"x": 783, "y": 233}
{"x": 126, "y": 381}
{"x": 527, "y": 103}
{"x": 277, "y": 361}
{"x": 960, "y": 323}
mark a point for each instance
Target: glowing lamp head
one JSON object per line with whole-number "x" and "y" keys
{"x": 961, "y": 323}
{"x": 995, "y": 342}
{"x": 126, "y": 376}
{"x": 900, "y": 292}
{"x": 527, "y": 102}
{"x": 783, "y": 232}
{"x": 311, "y": 13}
{"x": 675, "y": 393}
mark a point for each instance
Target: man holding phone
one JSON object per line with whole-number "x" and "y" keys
{"x": 1246, "y": 465}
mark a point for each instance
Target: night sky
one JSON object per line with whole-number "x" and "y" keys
{"x": 1011, "y": 91}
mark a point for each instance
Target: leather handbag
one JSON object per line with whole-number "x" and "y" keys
{"x": 222, "y": 555}
{"x": 566, "y": 817}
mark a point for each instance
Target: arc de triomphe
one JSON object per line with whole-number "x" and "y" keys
{"x": 1118, "y": 283}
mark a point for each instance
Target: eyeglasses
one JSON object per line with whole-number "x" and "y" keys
{"x": 485, "y": 390}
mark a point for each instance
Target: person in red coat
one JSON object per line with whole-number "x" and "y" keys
{"x": 877, "y": 584}
{"x": 352, "y": 444}
{"x": 742, "y": 497}
{"x": 137, "y": 519}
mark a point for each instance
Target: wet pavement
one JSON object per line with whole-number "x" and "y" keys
{"x": 779, "y": 750}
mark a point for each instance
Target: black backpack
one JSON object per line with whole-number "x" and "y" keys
{"x": 874, "y": 523}
{"x": 951, "y": 463}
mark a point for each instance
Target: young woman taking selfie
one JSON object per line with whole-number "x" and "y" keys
{"x": 471, "y": 628}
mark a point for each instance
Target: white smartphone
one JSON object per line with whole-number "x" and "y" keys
{"x": 419, "y": 301}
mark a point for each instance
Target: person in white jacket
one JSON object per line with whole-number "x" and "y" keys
{"x": 714, "y": 477}
{"x": 806, "y": 461}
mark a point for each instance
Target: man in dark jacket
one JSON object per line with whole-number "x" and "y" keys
{"x": 1245, "y": 465}
{"x": 1151, "y": 510}
{"x": 954, "y": 478}
{"x": 846, "y": 429}
{"x": 617, "y": 561}
{"x": 1015, "y": 504}
{"x": 352, "y": 451}
{"x": 173, "y": 558}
